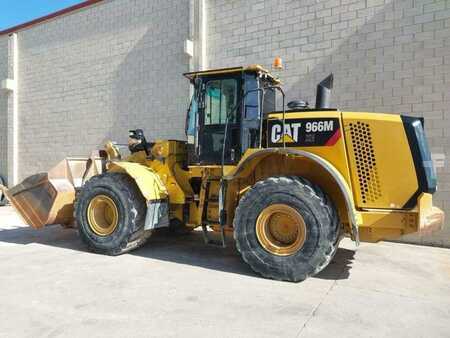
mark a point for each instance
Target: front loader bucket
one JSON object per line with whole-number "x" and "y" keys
{"x": 47, "y": 198}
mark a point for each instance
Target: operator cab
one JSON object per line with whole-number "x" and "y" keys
{"x": 226, "y": 108}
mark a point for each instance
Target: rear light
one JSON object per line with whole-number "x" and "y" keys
{"x": 426, "y": 174}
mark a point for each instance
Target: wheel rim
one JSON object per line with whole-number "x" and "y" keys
{"x": 281, "y": 230}
{"x": 103, "y": 215}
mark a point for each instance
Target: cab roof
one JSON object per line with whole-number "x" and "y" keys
{"x": 250, "y": 69}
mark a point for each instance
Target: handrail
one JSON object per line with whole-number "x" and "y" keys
{"x": 261, "y": 117}
{"x": 284, "y": 112}
{"x": 227, "y": 121}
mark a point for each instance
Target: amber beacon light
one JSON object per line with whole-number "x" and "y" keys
{"x": 277, "y": 63}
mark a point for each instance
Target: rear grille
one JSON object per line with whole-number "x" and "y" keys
{"x": 365, "y": 159}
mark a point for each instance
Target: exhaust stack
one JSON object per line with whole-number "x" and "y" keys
{"x": 323, "y": 96}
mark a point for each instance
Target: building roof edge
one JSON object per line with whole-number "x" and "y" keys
{"x": 49, "y": 16}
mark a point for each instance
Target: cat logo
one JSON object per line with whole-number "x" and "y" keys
{"x": 306, "y": 132}
{"x": 290, "y": 135}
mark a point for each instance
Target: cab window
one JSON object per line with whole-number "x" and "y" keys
{"x": 220, "y": 99}
{"x": 191, "y": 123}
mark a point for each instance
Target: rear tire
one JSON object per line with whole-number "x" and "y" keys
{"x": 296, "y": 196}
{"x": 110, "y": 211}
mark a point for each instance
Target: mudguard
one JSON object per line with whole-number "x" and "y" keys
{"x": 253, "y": 157}
{"x": 149, "y": 183}
{"x": 153, "y": 190}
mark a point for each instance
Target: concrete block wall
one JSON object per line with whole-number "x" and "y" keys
{"x": 4, "y": 97}
{"x": 386, "y": 55}
{"x": 94, "y": 74}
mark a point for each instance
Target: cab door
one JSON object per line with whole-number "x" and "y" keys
{"x": 220, "y": 99}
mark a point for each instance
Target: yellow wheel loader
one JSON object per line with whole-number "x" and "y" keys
{"x": 287, "y": 183}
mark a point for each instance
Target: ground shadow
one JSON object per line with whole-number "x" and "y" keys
{"x": 187, "y": 249}
{"x": 340, "y": 266}
{"x": 53, "y": 235}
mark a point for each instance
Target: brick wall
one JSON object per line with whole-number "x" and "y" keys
{"x": 387, "y": 56}
{"x": 4, "y": 95}
{"x": 94, "y": 74}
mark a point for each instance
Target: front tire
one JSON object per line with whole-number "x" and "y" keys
{"x": 286, "y": 228}
{"x": 110, "y": 211}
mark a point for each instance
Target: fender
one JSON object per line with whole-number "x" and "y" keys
{"x": 259, "y": 154}
{"x": 149, "y": 183}
{"x": 153, "y": 190}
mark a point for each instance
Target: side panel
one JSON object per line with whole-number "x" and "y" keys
{"x": 381, "y": 164}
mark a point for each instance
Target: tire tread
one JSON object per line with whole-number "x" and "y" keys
{"x": 130, "y": 191}
{"x": 316, "y": 193}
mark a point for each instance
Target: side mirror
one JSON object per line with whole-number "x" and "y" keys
{"x": 197, "y": 82}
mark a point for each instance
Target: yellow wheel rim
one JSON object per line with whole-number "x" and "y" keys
{"x": 281, "y": 230}
{"x": 103, "y": 215}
